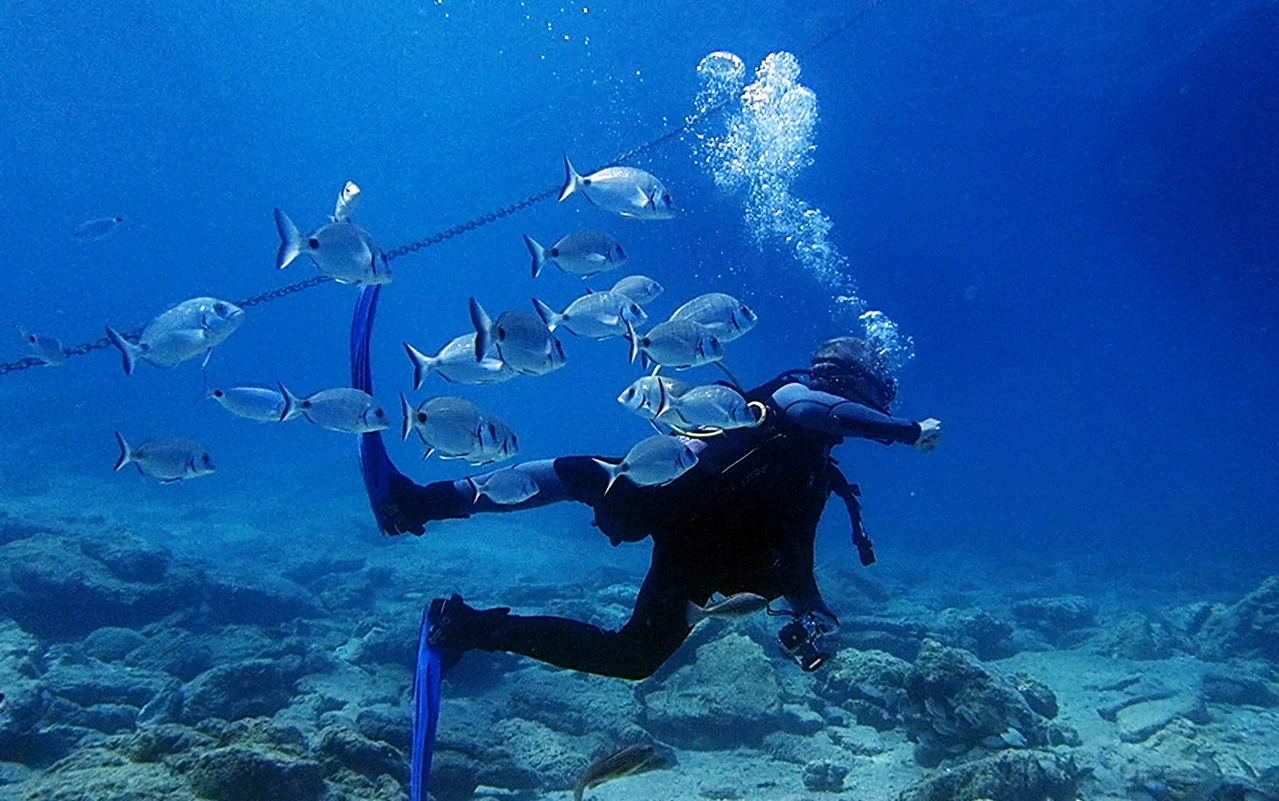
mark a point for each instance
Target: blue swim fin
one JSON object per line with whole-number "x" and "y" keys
{"x": 426, "y": 714}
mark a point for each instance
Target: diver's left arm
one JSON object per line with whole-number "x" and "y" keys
{"x": 840, "y": 417}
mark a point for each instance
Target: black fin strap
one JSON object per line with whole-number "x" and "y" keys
{"x": 850, "y": 494}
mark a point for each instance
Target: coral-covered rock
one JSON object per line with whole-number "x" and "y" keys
{"x": 1135, "y": 636}
{"x": 824, "y": 777}
{"x": 728, "y": 697}
{"x": 869, "y": 684}
{"x": 573, "y": 703}
{"x": 253, "y": 688}
{"x": 339, "y": 747}
{"x": 1056, "y": 617}
{"x": 112, "y": 643}
{"x": 129, "y": 558}
{"x": 240, "y": 773}
{"x": 974, "y": 629}
{"x": 1248, "y": 628}
{"x": 261, "y": 600}
{"x": 1009, "y": 776}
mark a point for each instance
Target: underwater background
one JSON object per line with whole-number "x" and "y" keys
{"x": 1070, "y": 214}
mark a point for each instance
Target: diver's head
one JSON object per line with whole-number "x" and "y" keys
{"x": 851, "y": 368}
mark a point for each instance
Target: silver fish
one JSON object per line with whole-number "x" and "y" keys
{"x": 651, "y": 396}
{"x": 522, "y": 340}
{"x": 726, "y": 316}
{"x": 348, "y": 201}
{"x": 505, "y": 487}
{"x": 169, "y": 460}
{"x": 628, "y": 191}
{"x": 455, "y": 428}
{"x": 93, "y": 230}
{"x": 628, "y": 761}
{"x": 675, "y": 343}
{"x": 190, "y": 329}
{"x": 46, "y": 349}
{"x": 739, "y": 604}
{"x": 639, "y": 288}
{"x": 585, "y": 252}
{"x": 599, "y": 315}
{"x": 342, "y": 250}
{"x": 456, "y": 362}
{"x": 343, "y": 409}
{"x": 710, "y": 406}
{"x": 262, "y": 404}
{"x": 657, "y": 460}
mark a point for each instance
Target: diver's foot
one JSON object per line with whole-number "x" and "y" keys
{"x": 456, "y": 628}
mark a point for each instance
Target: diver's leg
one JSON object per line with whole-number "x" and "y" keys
{"x": 656, "y": 629}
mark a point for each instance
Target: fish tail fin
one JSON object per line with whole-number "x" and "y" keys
{"x": 614, "y": 472}
{"x": 482, "y": 325}
{"x": 125, "y": 452}
{"x": 538, "y": 253}
{"x": 293, "y": 405}
{"x": 423, "y": 365}
{"x": 290, "y": 240}
{"x": 694, "y": 614}
{"x": 548, "y": 315}
{"x": 632, "y": 338}
{"x": 572, "y": 181}
{"x": 128, "y": 350}
{"x": 578, "y": 790}
{"x": 407, "y": 411}
{"x": 664, "y": 398}
{"x": 474, "y": 488}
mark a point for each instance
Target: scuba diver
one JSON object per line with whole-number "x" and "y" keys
{"x": 743, "y": 519}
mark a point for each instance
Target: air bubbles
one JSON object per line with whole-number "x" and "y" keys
{"x": 722, "y": 76}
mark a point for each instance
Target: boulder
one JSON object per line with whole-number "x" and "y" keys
{"x": 869, "y": 684}
{"x": 1007, "y": 776}
{"x": 1056, "y": 617}
{"x": 340, "y": 747}
{"x": 252, "y": 688}
{"x": 573, "y": 703}
{"x": 242, "y": 773}
{"x": 974, "y": 629}
{"x": 1246, "y": 629}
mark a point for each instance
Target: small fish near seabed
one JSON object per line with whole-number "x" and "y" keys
{"x": 585, "y": 252}
{"x": 342, "y": 250}
{"x": 505, "y": 487}
{"x": 739, "y": 604}
{"x": 627, "y": 191}
{"x": 169, "y": 460}
{"x": 189, "y": 330}
{"x": 639, "y": 288}
{"x": 96, "y": 229}
{"x": 651, "y": 396}
{"x": 655, "y": 461}
{"x": 456, "y": 363}
{"x": 726, "y": 316}
{"x": 598, "y": 315}
{"x": 628, "y": 761}
{"x": 521, "y": 339}
{"x": 456, "y": 428}
{"x": 343, "y": 409}
{"x": 47, "y": 349}
{"x": 679, "y": 344}
{"x": 260, "y": 404}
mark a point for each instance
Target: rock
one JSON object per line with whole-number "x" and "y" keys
{"x": 385, "y": 724}
{"x": 339, "y": 747}
{"x": 573, "y": 703}
{"x": 1237, "y": 689}
{"x": 95, "y": 682}
{"x": 721, "y": 791}
{"x": 1055, "y": 617}
{"x": 1039, "y": 697}
{"x": 824, "y": 777}
{"x": 1137, "y": 722}
{"x": 153, "y": 743}
{"x": 1007, "y": 776}
{"x": 953, "y": 703}
{"x": 260, "y": 600}
{"x": 53, "y": 589}
{"x": 454, "y": 777}
{"x": 1134, "y": 636}
{"x": 239, "y": 773}
{"x": 1246, "y": 629}
{"x": 13, "y": 529}
{"x": 800, "y": 719}
{"x": 105, "y": 718}
{"x": 728, "y": 697}
{"x": 177, "y": 652}
{"x": 129, "y": 558}
{"x": 253, "y": 688}
{"x": 112, "y": 643}
{"x": 974, "y": 629}
{"x": 869, "y": 684}
{"x": 539, "y": 758}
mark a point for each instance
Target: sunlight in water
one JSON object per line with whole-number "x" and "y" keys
{"x": 766, "y": 142}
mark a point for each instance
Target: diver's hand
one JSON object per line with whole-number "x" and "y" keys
{"x": 392, "y": 520}
{"x": 930, "y": 435}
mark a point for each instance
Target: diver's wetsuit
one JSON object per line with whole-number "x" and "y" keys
{"x": 742, "y": 520}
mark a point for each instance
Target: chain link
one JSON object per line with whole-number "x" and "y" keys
{"x": 449, "y": 233}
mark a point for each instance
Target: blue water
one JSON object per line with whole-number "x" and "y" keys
{"x": 1072, "y": 215}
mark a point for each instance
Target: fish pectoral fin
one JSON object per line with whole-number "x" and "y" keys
{"x": 170, "y": 480}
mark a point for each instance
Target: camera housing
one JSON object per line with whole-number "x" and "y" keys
{"x": 801, "y": 640}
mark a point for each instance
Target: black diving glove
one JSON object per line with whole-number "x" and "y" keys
{"x": 411, "y": 506}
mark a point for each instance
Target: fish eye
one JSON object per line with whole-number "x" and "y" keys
{"x": 515, "y": 443}
{"x": 313, "y": 243}
{"x": 555, "y": 252}
{"x": 630, "y": 393}
{"x": 220, "y": 308}
{"x": 501, "y": 332}
{"x": 217, "y": 393}
{"x": 206, "y": 460}
{"x": 421, "y": 417}
{"x": 666, "y": 198}
{"x": 31, "y": 338}
{"x": 379, "y": 414}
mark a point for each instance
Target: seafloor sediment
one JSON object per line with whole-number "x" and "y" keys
{"x": 234, "y": 663}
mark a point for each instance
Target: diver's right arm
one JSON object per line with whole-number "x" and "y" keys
{"x": 840, "y": 417}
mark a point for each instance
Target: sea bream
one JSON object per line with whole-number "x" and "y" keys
{"x": 639, "y": 288}
{"x": 651, "y": 396}
{"x": 628, "y": 191}
{"x": 169, "y": 460}
{"x": 739, "y": 604}
{"x": 100, "y": 228}
{"x": 456, "y": 363}
{"x": 714, "y": 406}
{"x": 191, "y": 329}
{"x": 679, "y": 344}
{"x": 585, "y": 252}
{"x": 47, "y": 349}
{"x": 505, "y": 487}
{"x": 342, "y": 250}
{"x": 260, "y": 404}
{"x": 521, "y": 339}
{"x": 657, "y": 460}
{"x": 346, "y": 410}
{"x": 726, "y": 316}
{"x": 598, "y": 315}
{"x": 456, "y": 428}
